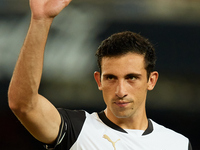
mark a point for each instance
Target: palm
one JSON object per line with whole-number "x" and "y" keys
{"x": 47, "y": 8}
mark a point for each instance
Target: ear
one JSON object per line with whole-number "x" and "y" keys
{"x": 97, "y": 77}
{"x": 152, "y": 80}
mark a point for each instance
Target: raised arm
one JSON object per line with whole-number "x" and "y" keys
{"x": 34, "y": 111}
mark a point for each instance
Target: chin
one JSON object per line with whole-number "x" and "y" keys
{"x": 122, "y": 115}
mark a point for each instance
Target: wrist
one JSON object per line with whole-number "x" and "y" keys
{"x": 43, "y": 23}
{"x": 42, "y": 20}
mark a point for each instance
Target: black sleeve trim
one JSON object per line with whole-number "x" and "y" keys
{"x": 189, "y": 146}
{"x": 61, "y": 134}
{"x": 73, "y": 123}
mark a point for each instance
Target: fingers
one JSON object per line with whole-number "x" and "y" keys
{"x": 47, "y": 9}
{"x": 66, "y": 2}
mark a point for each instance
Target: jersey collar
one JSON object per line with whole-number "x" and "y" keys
{"x": 109, "y": 123}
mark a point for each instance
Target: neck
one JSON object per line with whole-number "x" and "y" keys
{"x": 136, "y": 121}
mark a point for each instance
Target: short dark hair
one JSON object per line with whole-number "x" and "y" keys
{"x": 124, "y": 42}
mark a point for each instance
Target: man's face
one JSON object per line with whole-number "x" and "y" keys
{"x": 124, "y": 85}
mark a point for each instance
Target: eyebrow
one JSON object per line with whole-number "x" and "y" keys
{"x": 127, "y": 75}
{"x": 133, "y": 75}
{"x": 107, "y": 75}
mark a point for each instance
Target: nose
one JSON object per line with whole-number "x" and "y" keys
{"x": 121, "y": 91}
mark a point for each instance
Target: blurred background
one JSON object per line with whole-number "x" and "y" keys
{"x": 173, "y": 26}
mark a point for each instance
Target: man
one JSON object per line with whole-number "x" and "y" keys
{"x": 126, "y": 61}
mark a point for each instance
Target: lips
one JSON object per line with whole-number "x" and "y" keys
{"x": 121, "y": 103}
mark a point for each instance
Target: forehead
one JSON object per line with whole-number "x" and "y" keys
{"x": 128, "y": 63}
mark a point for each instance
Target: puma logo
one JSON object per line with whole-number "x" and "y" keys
{"x": 113, "y": 143}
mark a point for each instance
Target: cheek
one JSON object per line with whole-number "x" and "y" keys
{"x": 138, "y": 90}
{"x": 108, "y": 86}
{"x": 108, "y": 92}
{"x": 141, "y": 94}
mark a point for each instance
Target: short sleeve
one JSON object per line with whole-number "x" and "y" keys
{"x": 71, "y": 124}
{"x": 61, "y": 135}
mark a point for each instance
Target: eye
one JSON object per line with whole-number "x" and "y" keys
{"x": 131, "y": 77}
{"x": 110, "y": 77}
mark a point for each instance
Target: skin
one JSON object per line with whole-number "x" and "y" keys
{"x": 124, "y": 85}
{"x": 33, "y": 110}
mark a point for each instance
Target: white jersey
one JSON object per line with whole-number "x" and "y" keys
{"x": 83, "y": 131}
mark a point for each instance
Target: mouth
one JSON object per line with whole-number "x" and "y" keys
{"x": 122, "y": 103}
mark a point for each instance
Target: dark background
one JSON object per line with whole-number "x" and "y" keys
{"x": 173, "y": 103}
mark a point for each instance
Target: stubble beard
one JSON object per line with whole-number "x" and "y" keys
{"x": 123, "y": 112}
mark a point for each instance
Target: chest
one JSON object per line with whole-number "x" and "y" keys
{"x": 98, "y": 136}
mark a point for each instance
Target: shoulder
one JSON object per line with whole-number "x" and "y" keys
{"x": 71, "y": 127}
{"x": 76, "y": 118}
{"x": 71, "y": 113}
{"x": 168, "y": 134}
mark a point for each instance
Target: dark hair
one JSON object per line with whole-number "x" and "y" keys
{"x": 125, "y": 42}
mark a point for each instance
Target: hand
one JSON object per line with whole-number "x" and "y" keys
{"x": 47, "y": 9}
